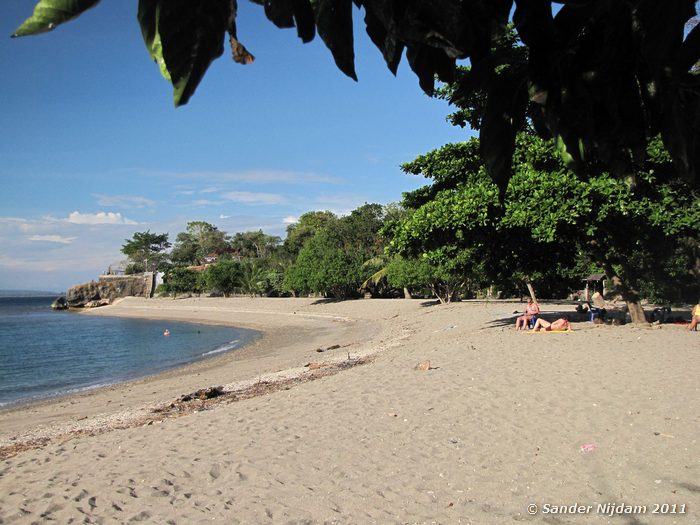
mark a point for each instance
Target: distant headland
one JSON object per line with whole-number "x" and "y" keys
{"x": 29, "y": 293}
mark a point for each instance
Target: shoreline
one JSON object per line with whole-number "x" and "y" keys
{"x": 496, "y": 422}
{"x": 267, "y": 357}
{"x": 250, "y": 337}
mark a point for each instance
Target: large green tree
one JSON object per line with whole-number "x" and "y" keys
{"x": 551, "y": 223}
{"x": 253, "y": 245}
{"x": 224, "y": 276}
{"x": 325, "y": 267}
{"x": 199, "y": 240}
{"x": 146, "y": 250}
{"x": 305, "y": 228}
{"x": 601, "y": 77}
{"x": 179, "y": 279}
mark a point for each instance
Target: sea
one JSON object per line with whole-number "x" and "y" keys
{"x": 46, "y": 353}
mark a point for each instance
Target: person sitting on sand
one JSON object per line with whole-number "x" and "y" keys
{"x": 531, "y": 310}
{"x": 559, "y": 325}
{"x": 695, "y": 317}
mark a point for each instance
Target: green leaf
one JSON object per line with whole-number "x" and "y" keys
{"x": 48, "y": 14}
{"x": 381, "y": 28}
{"x": 280, "y": 12}
{"x": 427, "y": 62}
{"x": 148, "y": 16}
{"x": 184, "y": 37}
{"x": 334, "y": 22}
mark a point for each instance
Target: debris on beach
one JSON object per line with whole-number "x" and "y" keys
{"x": 423, "y": 365}
{"x": 451, "y": 327}
{"x": 326, "y": 348}
{"x": 203, "y": 399}
{"x": 588, "y": 447}
{"x": 316, "y": 366}
{"x": 203, "y": 393}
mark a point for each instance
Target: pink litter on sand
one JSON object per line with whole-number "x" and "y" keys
{"x": 588, "y": 447}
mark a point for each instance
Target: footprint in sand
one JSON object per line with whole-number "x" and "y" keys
{"x": 141, "y": 516}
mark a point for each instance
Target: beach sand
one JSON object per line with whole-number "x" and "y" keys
{"x": 500, "y": 421}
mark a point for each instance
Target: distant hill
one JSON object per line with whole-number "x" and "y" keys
{"x": 29, "y": 293}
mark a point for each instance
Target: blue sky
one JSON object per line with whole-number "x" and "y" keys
{"x": 92, "y": 149}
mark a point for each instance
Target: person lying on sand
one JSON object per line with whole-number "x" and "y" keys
{"x": 558, "y": 325}
{"x": 531, "y": 310}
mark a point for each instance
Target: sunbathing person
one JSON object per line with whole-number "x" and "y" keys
{"x": 559, "y": 325}
{"x": 531, "y": 310}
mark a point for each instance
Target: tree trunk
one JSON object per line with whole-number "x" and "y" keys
{"x": 436, "y": 292}
{"x": 532, "y": 292}
{"x": 407, "y": 293}
{"x": 629, "y": 295}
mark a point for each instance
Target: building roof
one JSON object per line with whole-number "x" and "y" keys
{"x": 596, "y": 277}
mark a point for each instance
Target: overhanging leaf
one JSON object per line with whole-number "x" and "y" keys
{"x": 503, "y": 117}
{"x": 381, "y": 28}
{"x": 304, "y": 19}
{"x": 426, "y": 62}
{"x": 148, "y": 16}
{"x": 48, "y": 14}
{"x": 192, "y": 36}
{"x": 280, "y": 12}
{"x": 238, "y": 51}
{"x": 334, "y": 22}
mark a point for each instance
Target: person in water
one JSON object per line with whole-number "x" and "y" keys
{"x": 166, "y": 332}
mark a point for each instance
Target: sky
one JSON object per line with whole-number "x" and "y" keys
{"x": 92, "y": 149}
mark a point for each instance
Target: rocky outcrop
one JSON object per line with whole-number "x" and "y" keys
{"x": 60, "y": 304}
{"x": 108, "y": 288}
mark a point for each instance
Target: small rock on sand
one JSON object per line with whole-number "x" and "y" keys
{"x": 423, "y": 365}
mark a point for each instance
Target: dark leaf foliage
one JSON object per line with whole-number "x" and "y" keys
{"x": 191, "y": 35}
{"x": 600, "y": 76}
{"x": 48, "y": 14}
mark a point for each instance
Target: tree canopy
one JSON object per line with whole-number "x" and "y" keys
{"x": 200, "y": 240}
{"x": 601, "y": 77}
{"x": 146, "y": 250}
{"x": 552, "y": 227}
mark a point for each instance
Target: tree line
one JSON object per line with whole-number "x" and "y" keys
{"x": 457, "y": 236}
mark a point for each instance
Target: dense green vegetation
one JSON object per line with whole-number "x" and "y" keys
{"x": 455, "y": 237}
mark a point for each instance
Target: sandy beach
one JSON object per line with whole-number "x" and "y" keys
{"x": 598, "y": 425}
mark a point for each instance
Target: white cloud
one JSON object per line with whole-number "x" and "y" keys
{"x": 290, "y": 220}
{"x": 52, "y": 238}
{"x": 123, "y": 201}
{"x": 256, "y": 176}
{"x": 249, "y": 197}
{"x": 205, "y": 202}
{"x": 12, "y": 220}
{"x": 102, "y": 217}
{"x": 222, "y": 216}
{"x": 340, "y": 204}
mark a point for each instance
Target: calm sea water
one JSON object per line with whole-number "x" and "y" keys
{"x": 45, "y": 353}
